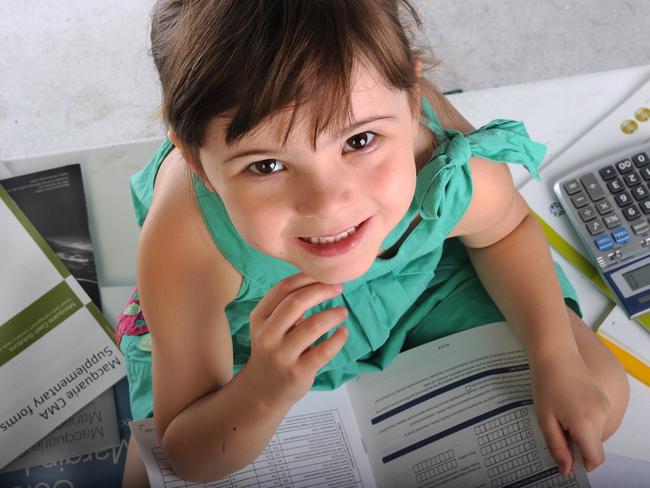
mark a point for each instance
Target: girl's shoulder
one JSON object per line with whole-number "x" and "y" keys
{"x": 174, "y": 243}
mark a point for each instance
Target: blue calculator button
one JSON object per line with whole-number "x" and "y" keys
{"x": 620, "y": 235}
{"x": 603, "y": 241}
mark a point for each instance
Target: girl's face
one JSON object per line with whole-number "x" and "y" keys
{"x": 324, "y": 210}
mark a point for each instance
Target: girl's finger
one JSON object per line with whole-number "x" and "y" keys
{"x": 303, "y": 335}
{"x": 294, "y": 306}
{"x": 278, "y": 292}
{"x": 557, "y": 444}
{"x": 315, "y": 358}
{"x": 590, "y": 446}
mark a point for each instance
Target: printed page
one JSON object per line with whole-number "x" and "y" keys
{"x": 317, "y": 444}
{"x": 456, "y": 412}
{"x": 92, "y": 428}
{"x": 56, "y": 349}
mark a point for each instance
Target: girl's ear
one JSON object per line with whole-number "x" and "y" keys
{"x": 171, "y": 135}
{"x": 194, "y": 164}
{"x": 417, "y": 67}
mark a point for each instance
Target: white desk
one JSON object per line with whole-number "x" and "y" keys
{"x": 556, "y": 112}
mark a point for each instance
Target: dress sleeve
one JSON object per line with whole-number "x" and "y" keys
{"x": 444, "y": 185}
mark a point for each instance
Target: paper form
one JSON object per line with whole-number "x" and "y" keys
{"x": 318, "y": 444}
{"x": 458, "y": 419}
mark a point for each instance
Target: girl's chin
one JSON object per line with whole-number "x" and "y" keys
{"x": 339, "y": 274}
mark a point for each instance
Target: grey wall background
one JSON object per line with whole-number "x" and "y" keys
{"x": 76, "y": 73}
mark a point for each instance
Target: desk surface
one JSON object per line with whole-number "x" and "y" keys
{"x": 556, "y": 112}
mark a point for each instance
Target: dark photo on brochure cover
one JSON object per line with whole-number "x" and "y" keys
{"x": 55, "y": 202}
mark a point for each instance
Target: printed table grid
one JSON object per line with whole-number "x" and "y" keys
{"x": 517, "y": 475}
{"x": 501, "y": 420}
{"x": 507, "y": 453}
{"x": 434, "y": 466}
{"x": 306, "y": 451}
{"x": 513, "y": 464}
{"x": 503, "y": 431}
{"x": 557, "y": 481}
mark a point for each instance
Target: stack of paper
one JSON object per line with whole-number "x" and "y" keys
{"x": 629, "y": 342}
{"x": 56, "y": 349}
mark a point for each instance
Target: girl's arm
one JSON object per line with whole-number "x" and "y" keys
{"x": 512, "y": 259}
{"x": 209, "y": 423}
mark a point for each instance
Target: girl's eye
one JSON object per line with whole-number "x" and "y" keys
{"x": 266, "y": 167}
{"x": 359, "y": 141}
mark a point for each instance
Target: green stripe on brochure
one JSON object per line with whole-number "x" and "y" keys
{"x": 39, "y": 318}
{"x": 102, "y": 321}
{"x": 569, "y": 253}
{"x": 33, "y": 233}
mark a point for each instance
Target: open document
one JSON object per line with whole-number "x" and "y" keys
{"x": 456, "y": 412}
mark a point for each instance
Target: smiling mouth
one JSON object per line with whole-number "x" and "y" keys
{"x": 330, "y": 239}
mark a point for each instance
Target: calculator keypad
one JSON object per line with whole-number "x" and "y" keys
{"x": 623, "y": 200}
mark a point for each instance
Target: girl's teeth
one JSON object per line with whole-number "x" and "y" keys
{"x": 329, "y": 240}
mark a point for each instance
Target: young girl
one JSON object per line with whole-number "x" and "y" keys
{"x": 317, "y": 209}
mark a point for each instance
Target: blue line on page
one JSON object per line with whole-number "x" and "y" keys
{"x": 547, "y": 473}
{"x": 467, "y": 423}
{"x": 446, "y": 388}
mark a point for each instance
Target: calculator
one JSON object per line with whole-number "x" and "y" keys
{"x": 608, "y": 203}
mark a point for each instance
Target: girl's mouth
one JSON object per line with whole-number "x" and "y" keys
{"x": 331, "y": 239}
{"x": 335, "y": 244}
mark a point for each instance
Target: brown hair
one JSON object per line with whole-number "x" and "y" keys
{"x": 249, "y": 59}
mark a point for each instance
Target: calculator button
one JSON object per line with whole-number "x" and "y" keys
{"x": 612, "y": 220}
{"x": 607, "y": 173}
{"x": 603, "y": 241}
{"x": 640, "y": 192}
{"x": 592, "y": 186}
{"x": 617, "y": 185}
{"x": 645, "y": 206}
{"x": 641, "y": 228}
{"x": 620, "y": 235}
{"x": 587, "y": 213}
{"x": 624, "y": 166}
{"x": 595, "y": 227}
{"x": 645, "y": 173}
{"x": 604, "y": 206}
{"x": 640, "y": 160}
{"x": 632, "y": 179}
{"x": 631, "y": 212}
{"x": 572, "y": 187}
{"x": 580, "y": 200}
{"x": 623, "y": 199}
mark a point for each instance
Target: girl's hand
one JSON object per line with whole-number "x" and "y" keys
{"x": 283, "y": 364}
{"x": 569, "y": 400}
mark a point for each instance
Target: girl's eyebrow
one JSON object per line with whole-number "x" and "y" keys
{"x": 359, "y": 123}
{"x": 338, "y": 134}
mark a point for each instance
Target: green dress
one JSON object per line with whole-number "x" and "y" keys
{"x": 427, "y": 290}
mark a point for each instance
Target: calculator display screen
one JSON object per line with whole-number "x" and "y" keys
{"x": 638, "y": 278}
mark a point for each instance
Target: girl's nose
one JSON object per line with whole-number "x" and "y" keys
{"x": 323, "y": 197}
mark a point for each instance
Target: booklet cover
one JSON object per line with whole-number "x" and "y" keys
{"x": 102, "y": 468}
{"x": 99, "y": 469}
{"x": 56, "y": 349}
{"x": 54, "y": 202}
{"x": 455, "y": 412}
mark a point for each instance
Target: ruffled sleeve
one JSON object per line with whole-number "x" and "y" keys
{"x": 444, "y": 185}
